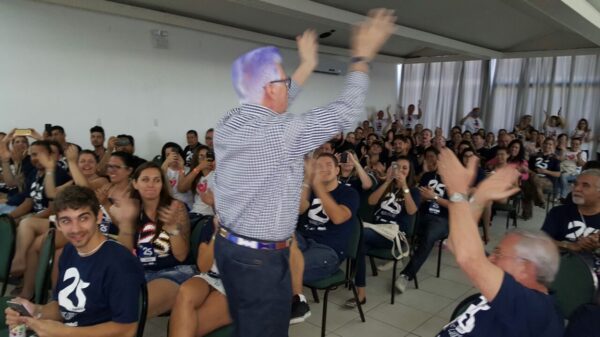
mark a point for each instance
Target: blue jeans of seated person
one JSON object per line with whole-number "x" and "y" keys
{"x": 430, "y": 228}
{"x": 6, "y": 209}
{"x": 320, "y": 261}
{"x": 565, "y": 183}
{"x": 258, "y": 287}
{"x": 371, "y": 240}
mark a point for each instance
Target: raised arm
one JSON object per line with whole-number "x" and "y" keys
{"x": 308, "y": 53}
{"x": 464, "y": 239}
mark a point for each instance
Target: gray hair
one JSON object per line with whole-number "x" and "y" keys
{"x": 538, "y": 248}
{"x": 252, "y": 71}
{"x": 593, "y": 172}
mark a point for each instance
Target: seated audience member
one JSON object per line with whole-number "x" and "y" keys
{"x": 439, "y": 142}
{"x": 97, "y": 140}
{"x": 347, "y": 143}
{"x": 523, "y": 128}
{"x": 515, "y": 278}
{"x": 433, "y": 223}
{"x": 323, "y": 234}
{"x": 100, "y": 274}
{"x": 327, "y": 147}
{"x": 352, "y": 174}
{"x": 201, "y": 306}
{"x": 553, "y": 125}
{"x": 208, "y": 138}
{"x": 583, "y": 132}
{"x": 174, "y": 168}
{"x": 425, "y": 142}
{"x": 389, "y": 141}
{"x": 530, "y": 143}
{"x": 192, "y": 145}
{"x": 375, "y": 160}
{"x": 503, "y": 141}
{"x": 402, "y": 148}
{"x": 58, "y": 135}
{"x": 540, "y": 165}
{"x": 32, "y": 231}
{"x": 36, "y": 201}
{"x": 467, "y": 136}
{"x": 573, "y": 160}
{"x": 471, "y": 121}
{"x": 396, "y": 200}
{"x": 120, "y": 143}
{"x": 455, "y": 139}
{"x": 479, "y": 147}
{"x": 16, "y": 166}
{"x": 158, "y": 231}
{"x": 576, "y": 227}
{"x": 490, "y": 140}
{"x": 201, "y": 182}
{"x": 380, "y": 121}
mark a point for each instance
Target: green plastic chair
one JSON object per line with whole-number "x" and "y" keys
{"x": 7, "y": 248}
{"x": 42, "y": 278}
{"x": 142, "y": 310}
{"x": 575, "y": 284}
{"x": 195, "y": 237}
{"x": 386, "y": 254}
{"x": 340, "y": 277}
{"x": 226, "y": 331}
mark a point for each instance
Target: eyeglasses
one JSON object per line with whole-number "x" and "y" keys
{"x": 287, "y": 81}
{"x": 115, "y": 167}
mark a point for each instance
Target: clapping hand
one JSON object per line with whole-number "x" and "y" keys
{"x": 369, "y": 36}
{"x": 308, "y": 47}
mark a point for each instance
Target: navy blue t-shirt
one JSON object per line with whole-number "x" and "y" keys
{"x": 547, "y": 162}
{"x": 434, "y": 180}
{"x": 391, "y": 208}
{"x": 99, "y": 288}
{"x": 34, "y": 187}
{"x": 317, "y": 225}
{"x": 565, "y": 223}
{"x": 515, "y": 311}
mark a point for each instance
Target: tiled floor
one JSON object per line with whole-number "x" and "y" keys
{"x": 418, "y": 312}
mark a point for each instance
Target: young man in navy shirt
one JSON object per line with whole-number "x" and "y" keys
{"x": 514, "y": 280}
{"x": 99, "y": 280}
{"x": 576, "y": 227}
{"x": 323, "y": 233}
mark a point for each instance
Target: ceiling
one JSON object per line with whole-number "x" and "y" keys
{"x": 426, "y": 29}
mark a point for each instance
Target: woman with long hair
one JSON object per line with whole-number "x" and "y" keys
{"x": 156, "y": 226}
{"x": 396, "y": 200}
{"x": 173, "y": 166}
{"x": 583, "y": 132}
{"x": 200, "y": 181}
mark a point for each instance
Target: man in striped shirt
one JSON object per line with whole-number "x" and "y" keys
{"x": 260, "y": 150}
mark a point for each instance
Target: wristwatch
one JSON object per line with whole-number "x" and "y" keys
{"x": 406, "y": 191}
{"x": 174, "y": 232}
{"x": 458, "y": 197}
{"x": 435, "y": 197}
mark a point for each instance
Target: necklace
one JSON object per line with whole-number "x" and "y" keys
{"x": 93, "y": 250}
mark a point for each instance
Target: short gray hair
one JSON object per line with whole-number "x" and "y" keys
{"x": 538, "y": 248}
{"x": 252, "y": 71}
{"x": 592, "y": 172}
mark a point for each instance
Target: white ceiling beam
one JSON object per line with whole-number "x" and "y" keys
{"x": 328, "y": 14}
{"x": 134, "y": 12}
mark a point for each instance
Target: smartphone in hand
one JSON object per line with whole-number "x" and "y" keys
{"x": 18, "y": 307}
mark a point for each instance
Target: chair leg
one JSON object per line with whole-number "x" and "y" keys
{"x": 358, "y": 305}
{"x": 315, "y": 295}
{"x": 394, "y": 280}
{"x": 439, "y": 261}
{"x": 416, "y": 282}
{"x": 324, "y": 317}
{"x": 373, "y": 267}
{"x": 4, "y": 287}
{"x": 507, "y": 219}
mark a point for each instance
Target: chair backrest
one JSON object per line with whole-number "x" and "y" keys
{"x": 464, "y": 305}
{"x": 42, "y": 275}
{"x": 355, "y": 237}
{"x": 142, "y": 310}
{"x": 7, "y": 248}
{"x": 195, "y": 237}
{"x": 575, "y": 283}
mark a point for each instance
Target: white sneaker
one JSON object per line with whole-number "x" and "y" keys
{"x": 401, "y": 283}
{"x": 387, "y": 266}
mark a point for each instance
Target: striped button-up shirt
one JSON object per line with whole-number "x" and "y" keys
{"x": 260, "y": 156}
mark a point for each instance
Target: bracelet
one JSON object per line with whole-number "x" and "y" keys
{"x": 49, "y": 173}
{"x": 305, "y": 185}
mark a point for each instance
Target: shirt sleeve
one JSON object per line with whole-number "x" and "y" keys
{"x": 414, "y": 193}
{"x": 350, "y": 199}
{"x": 304, "y": 133}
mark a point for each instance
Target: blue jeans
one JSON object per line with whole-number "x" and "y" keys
{"x": 371, "y": 240}
{"x": 258, "y": 287}
{"x": 565, "y": 184}
{"x": 177, "y": 274}
{"x": 430, "y": 229}
{"x": 320, "y": 261}
{"x": 6, "y": 209}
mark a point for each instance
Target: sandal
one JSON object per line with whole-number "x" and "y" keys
{"x": 351, "y": 303}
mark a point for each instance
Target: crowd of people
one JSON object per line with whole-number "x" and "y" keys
{"x": 123, "y": 221}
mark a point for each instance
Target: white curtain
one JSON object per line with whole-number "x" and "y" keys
{"x": 447, "y": 90}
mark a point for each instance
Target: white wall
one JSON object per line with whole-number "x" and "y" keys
{"x": 77, "y": 68}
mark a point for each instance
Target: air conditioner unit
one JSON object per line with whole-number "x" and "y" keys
{"x": 331, "y": 66}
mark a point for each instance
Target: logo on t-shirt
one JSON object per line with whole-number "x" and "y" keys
{"x": 437, "y": 187}
{"x": 390, "y": 204}
{"x": 76, "y": 287}
{"x": 465, "y": 323}
{"x": 541, "y": 163}
{"x": 317, "y": 216}
{"x": 578, "y": 229}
